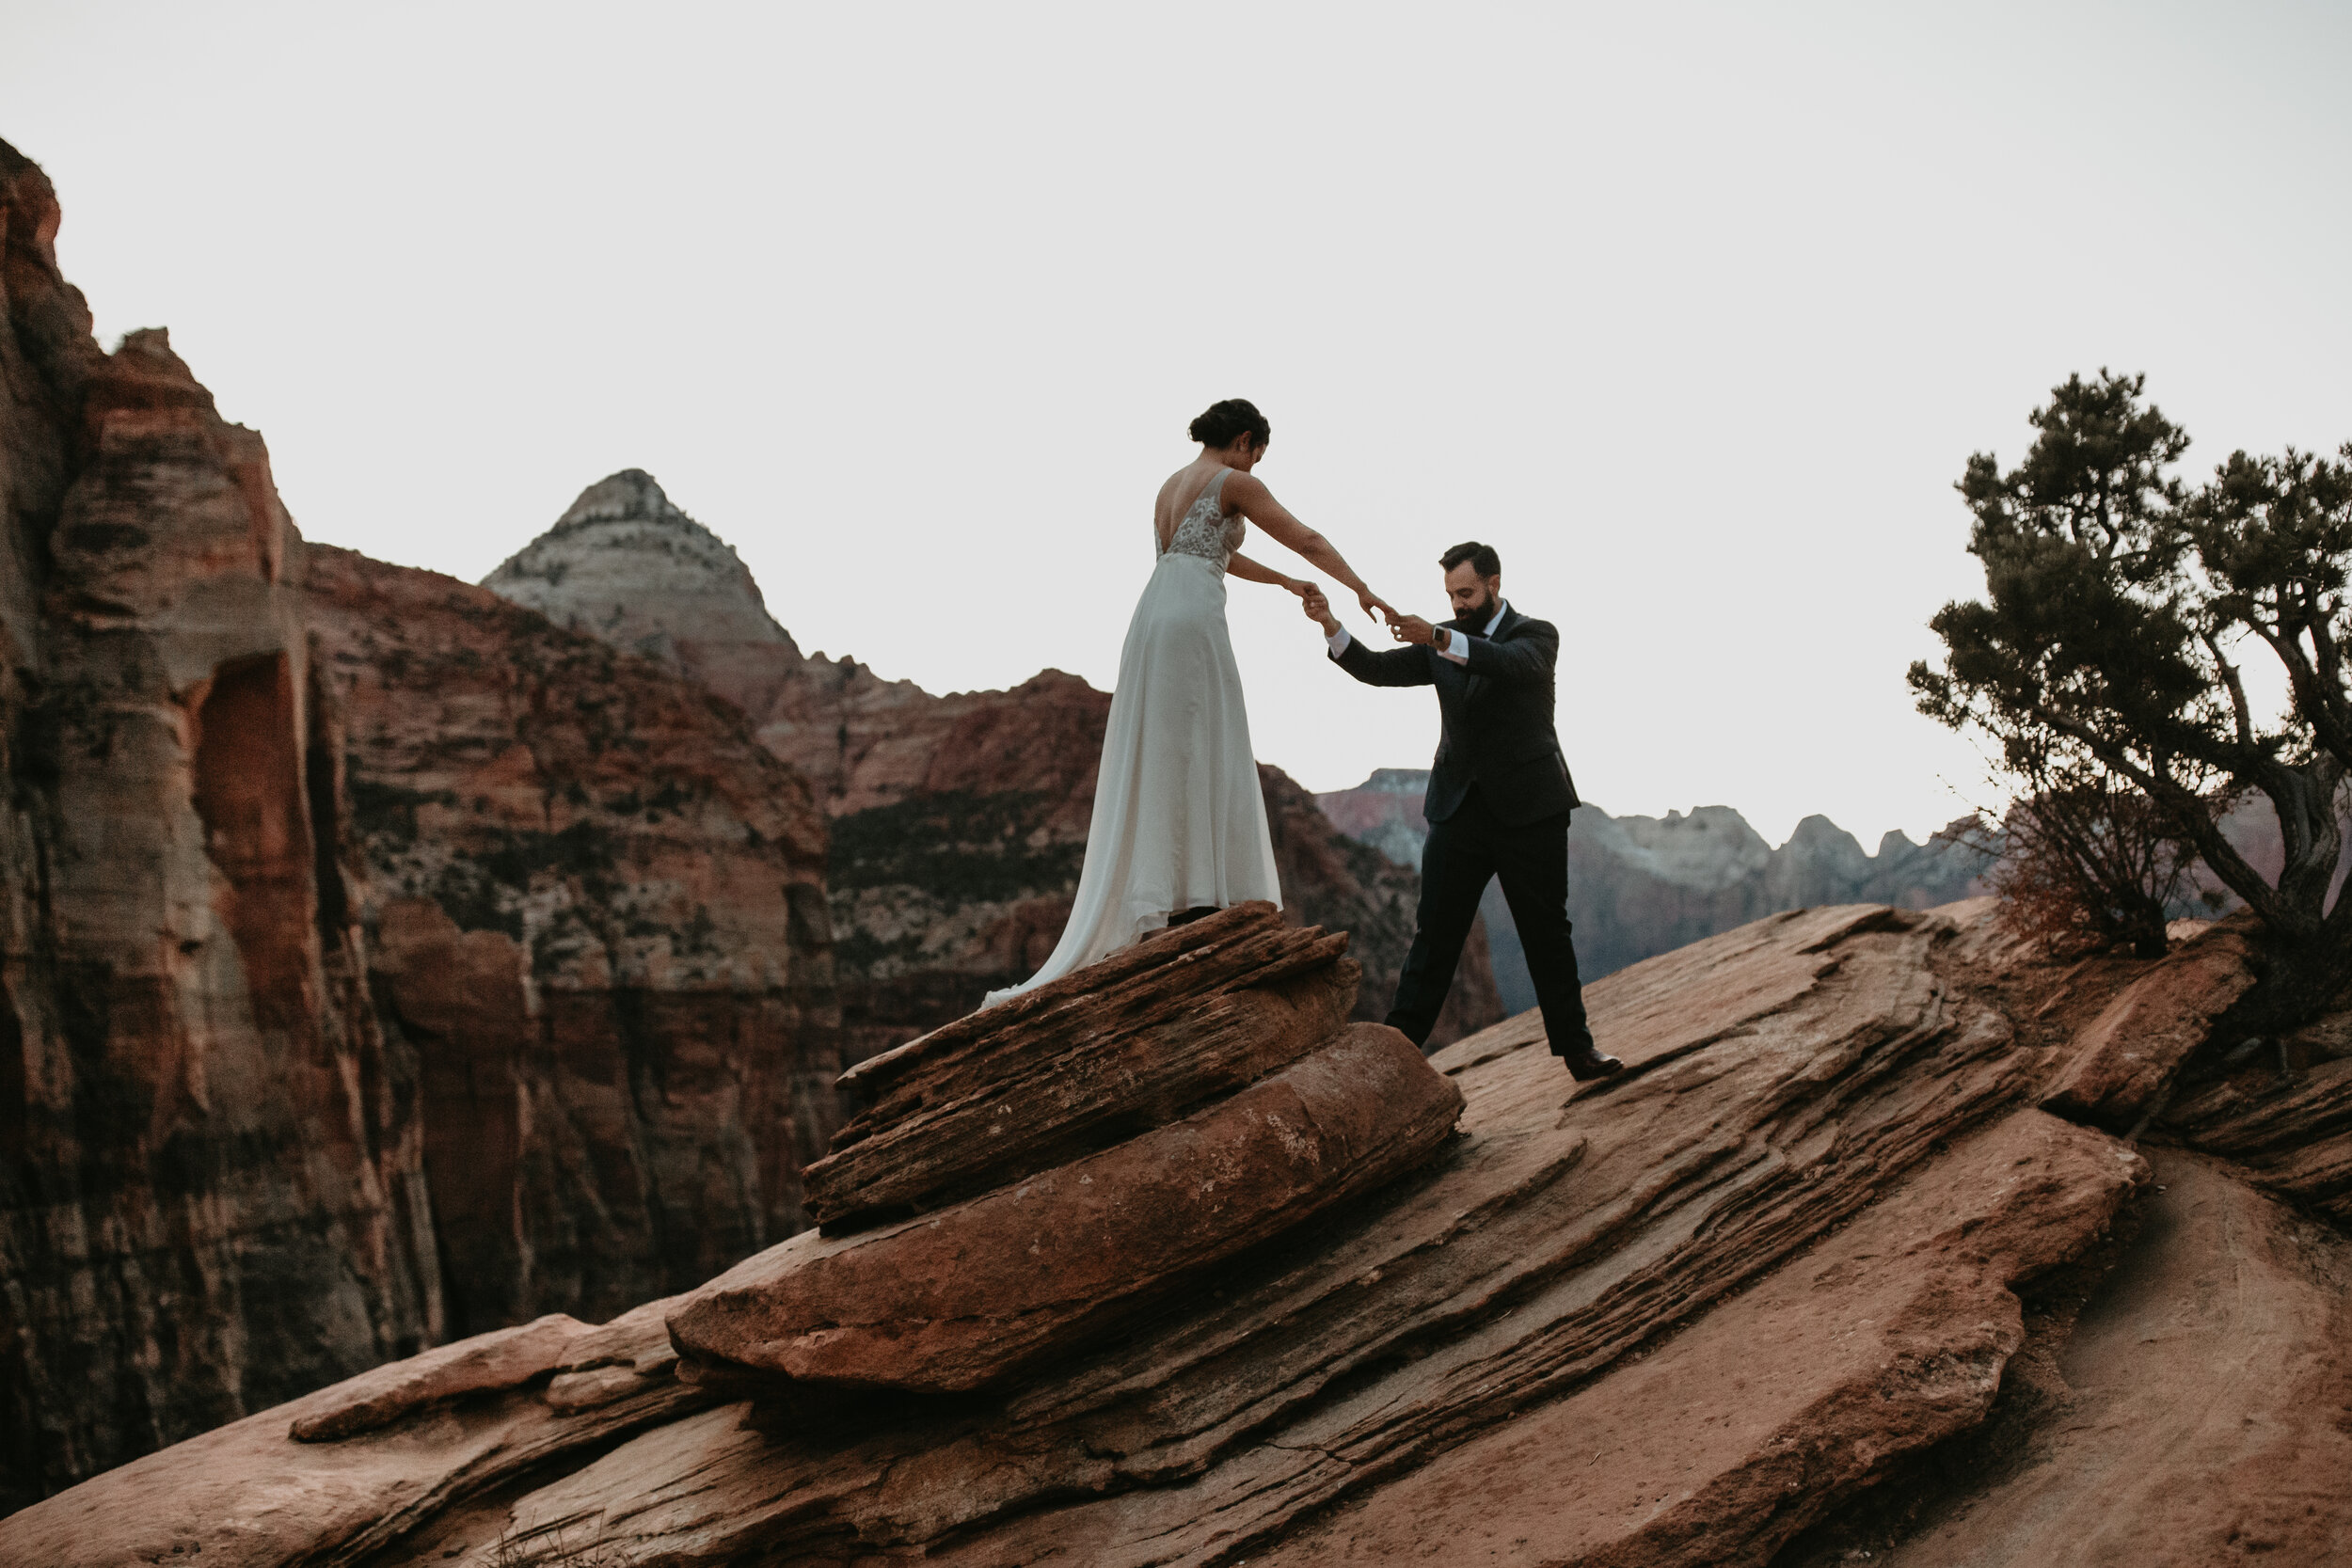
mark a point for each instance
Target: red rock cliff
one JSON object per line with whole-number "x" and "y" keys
{"x": 212, "y": 1172}
{"x": 599, "y": 916}
{"x": 376, "y": 960}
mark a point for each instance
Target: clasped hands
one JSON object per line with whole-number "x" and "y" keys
{"x": 1403, "y": 628}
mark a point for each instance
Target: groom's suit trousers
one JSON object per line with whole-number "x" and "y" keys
{"x": 1463, "y": 853}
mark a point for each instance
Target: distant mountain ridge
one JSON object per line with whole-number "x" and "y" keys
{"x": 1639, "y": 886}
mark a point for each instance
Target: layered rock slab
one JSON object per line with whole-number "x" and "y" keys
{"x": 1726, "y": 1440}
{"x": 978, "y": 1293}
{"x": 1782, "y": 1078}
{"x": 1781, "y": 1074}
{"x": 2284, "y": 1118}
{"x": 2122, "y": 1065}
{"x": 250, "y": 1494}
{"x": 1189, "y": 1015}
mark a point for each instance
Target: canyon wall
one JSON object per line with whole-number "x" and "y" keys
{"x": 597, "y": 912}
{"x": 211, "y": 1191}
{"x": 1639, "y": 886}
{"x": 959, "y": 821}
{"x": 1843, "y": 1267}
{"x": 377, "y": 962}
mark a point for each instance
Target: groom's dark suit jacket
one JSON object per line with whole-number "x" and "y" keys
{"x": 1497, "y": 716}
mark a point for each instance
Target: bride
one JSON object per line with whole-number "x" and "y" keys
{"x": 1179, "y": 826}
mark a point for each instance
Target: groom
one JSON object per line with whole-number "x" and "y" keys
{"x": 1499, "y": 795}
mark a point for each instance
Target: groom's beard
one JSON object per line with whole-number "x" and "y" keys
{"x": 1476, "y": 616}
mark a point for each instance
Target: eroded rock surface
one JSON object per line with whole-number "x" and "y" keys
{"x": 1719, "y": 1445}
{"x": 2122, "y": 1065}
{"x": 1067, "y": 1108}
{"x": 2284, "y": 1118}
{"x": 359, "y": 984}
{"x": 1794, "y": 1233}
{"x": 599, "y": 917}
{"x": 970, "y": 1295}
{"x": 2200, "y": 1410}
{"x": 1135, "y": 1041}
{"x": 211, "y": 1176}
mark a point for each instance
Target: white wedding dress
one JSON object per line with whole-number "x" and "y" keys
{"x": 1179, "y": 820}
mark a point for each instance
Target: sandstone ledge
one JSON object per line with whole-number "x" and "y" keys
{"x": 1816, "y": 1129}
{"x": 1197, "y": 1012}
{"x": 972, "y": 1295}
{"x": 2123, "y": 1064}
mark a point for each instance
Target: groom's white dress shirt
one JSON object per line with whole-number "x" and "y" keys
{"x": 1450, "y": 643}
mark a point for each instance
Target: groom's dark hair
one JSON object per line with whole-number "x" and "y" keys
{"x": 1481, "y": 558}
{"x": 1223, "y": 422}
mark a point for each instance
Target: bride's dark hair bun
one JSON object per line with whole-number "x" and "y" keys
{"x": 1233, "y": 416}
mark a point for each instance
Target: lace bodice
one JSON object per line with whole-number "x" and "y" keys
{"x": 1205, "y": 530}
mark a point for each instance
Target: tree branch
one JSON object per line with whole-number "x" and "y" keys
{"x": 2237, "y": 690}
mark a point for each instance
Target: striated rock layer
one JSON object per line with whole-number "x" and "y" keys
{"x": 960, "y": 821}
{"x": 358, "y": 985}
{"x": 1199, "y": 1011}
{"x": 970, "y": 1296}
{"x": 210, "y": 1172}
{"x": 599, "y": 923}
{"x": 1124, "y": 1129}
{"x": 1681, "y": 1316}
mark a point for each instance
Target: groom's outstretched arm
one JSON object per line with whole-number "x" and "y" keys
{"x": 1407, "y": 666}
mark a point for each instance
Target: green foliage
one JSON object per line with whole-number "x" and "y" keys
{"x": 2103, "y": 654}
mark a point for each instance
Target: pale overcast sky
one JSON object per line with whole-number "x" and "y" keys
{"x": 1694, "y": 312}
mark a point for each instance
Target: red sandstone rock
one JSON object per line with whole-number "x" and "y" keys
{"x": 2197, "y": 1411}
{"x": 223, "y": 1180}
{"x": 2122, "y": 1065}
{"x": 1782, "y": 1078}
{"x": 1733, "y": 1435}
{"x": 974, "y": 1295}
{"x": 501, "y": 1359}
{"x": 599, "y": 906}
{"x": 211, "y": 1182}
{"x": 2284, "y": 1118}
{"x": 1054, "y": 1080}
{"x": 1142, "y": 985}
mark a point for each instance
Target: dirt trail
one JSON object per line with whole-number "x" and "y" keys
{"x": 2210, "y": 1418}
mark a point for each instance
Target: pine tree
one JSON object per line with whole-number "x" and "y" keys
{"x": 2117, "y": 606}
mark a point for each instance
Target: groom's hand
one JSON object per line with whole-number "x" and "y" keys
{"x": 1318, "y": 610}
{"x": 1412, "y": 628}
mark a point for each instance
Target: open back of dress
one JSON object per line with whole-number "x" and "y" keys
{"x": 1179, "y": 819}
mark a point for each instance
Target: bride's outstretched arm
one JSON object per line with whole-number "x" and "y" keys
{"x": 1250, "y": 571}
{"x": 1256, "y": 502}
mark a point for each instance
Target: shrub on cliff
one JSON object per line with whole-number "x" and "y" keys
{"x": 2084, "y": 861}
{"x": 2117, "y": 606}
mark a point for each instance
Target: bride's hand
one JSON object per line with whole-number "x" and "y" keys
{"x": 1300, "y": 586}
{"x": 1375, "y": 607}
